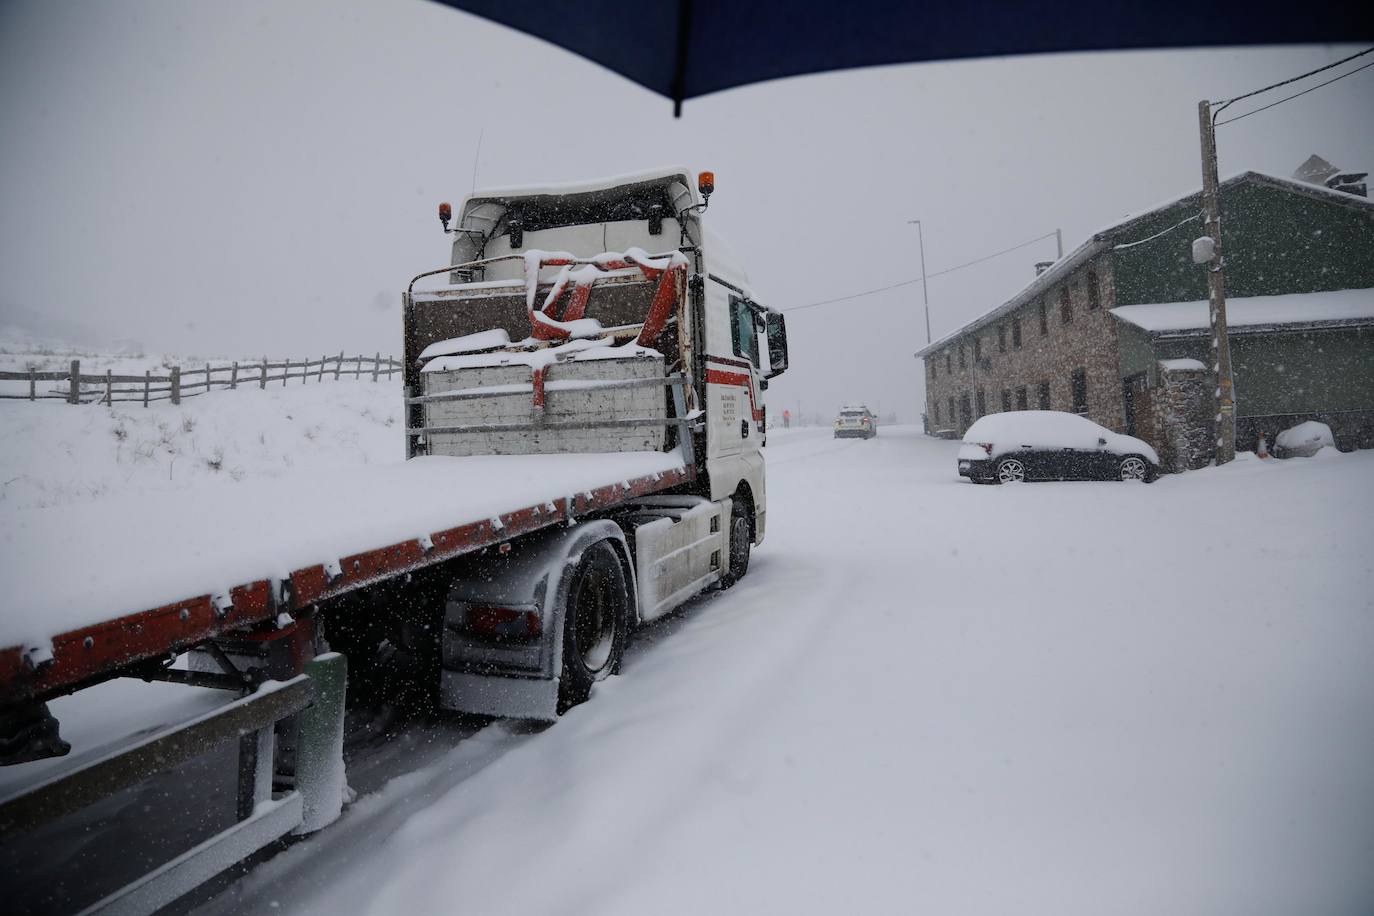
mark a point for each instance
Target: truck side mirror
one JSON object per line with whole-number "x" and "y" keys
{"x": 775, "y": 326}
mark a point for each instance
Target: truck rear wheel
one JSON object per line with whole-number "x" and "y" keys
{"x": 595, "y": 623}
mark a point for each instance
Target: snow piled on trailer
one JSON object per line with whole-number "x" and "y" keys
{"x": 108, "y": 512}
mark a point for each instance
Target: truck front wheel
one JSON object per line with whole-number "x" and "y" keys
{"x": 741, "y": 541}
{"x": 595, "y": 623}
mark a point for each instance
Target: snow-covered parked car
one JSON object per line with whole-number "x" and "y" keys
{"x": 1303, "y": 440}
{"x": 1051, "y": 445}
{"x": 856, "y": 420}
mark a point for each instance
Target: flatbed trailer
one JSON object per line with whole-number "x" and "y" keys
{"x": 92, "y": 653}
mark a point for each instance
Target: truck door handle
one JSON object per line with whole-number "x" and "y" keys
{"x": 744, "y": 429}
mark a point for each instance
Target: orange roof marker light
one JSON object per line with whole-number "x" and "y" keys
{"x": 445, "y": 214}
{"x": 706, "y": 184}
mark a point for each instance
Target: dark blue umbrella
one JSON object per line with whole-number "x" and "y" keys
{"x": 688, "y": 48}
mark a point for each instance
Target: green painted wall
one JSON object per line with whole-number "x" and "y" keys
{"x": 1292, "y": 373}
{"x": 1276, "y": 241}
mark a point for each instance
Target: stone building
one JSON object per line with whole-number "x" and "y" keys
{"x": 1117, "y": 330}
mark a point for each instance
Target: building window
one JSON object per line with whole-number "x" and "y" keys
{"x": 965, "y": 417}
{"x": 1044, "y": 319}
{"x": 1006, "y": 400}
{"x": 1021, "y": 403}
{"x": 982, "y": 403}
{"x": 1044, "y": 395}
{"x": 951, "y": 409}
{"x": 937, "y": 411}
{"x": 1080, "y": 391}
{"x": 1001, "y": 338}
{"x": 948, "y": 363}
{"x": 932, "y": 369}
{"x": 1065, "y": 305}
{"x": 963, "y": 360}
{"x": 1094, "y": 297}
{"x": 1016, "y": 333}
{"x": 977, "y": 349}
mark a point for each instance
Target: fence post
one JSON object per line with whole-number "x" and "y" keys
{"x": 176, "y": 384}
{"x": 33, "y": 385}
{"x": 376, "y": 364}
{"x": 234, "y": 376}
{"x": 207, "y": 378}
{"x": 262, "y": 382}
{"x": 323, "y": 359}
{"x": 338, "y": 367}
{"x": 74, "y": 395}
{"x": 109, "y": 389}
{"x": 285, "y": 372}
{"x": 147, "y": 383}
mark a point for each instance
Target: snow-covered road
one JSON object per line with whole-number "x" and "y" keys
{"x": 926, "y": 695}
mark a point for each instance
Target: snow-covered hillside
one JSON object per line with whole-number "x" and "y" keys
{"x": 55, "y": 454}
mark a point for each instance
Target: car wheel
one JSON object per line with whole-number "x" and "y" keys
{"x": 1133, "y": 467}
{"x": 595, "y": 624}
{"x": 1011, "y": 470}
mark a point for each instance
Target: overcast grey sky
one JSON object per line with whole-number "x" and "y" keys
{"x": 250, "y": 177}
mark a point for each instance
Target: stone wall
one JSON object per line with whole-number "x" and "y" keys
{"x": 1087, "y": 342}
{"x": 1184, "y": 420}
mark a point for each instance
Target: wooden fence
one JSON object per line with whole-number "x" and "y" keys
{"x": 193, "y": 381}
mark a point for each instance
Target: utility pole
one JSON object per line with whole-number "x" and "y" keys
{"x": 925, "y": 298}
{"x": 1216, "y": 289}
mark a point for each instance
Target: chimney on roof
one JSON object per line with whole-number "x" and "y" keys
{"x": 1316, "y": 170}
{"x": 1042, "y": 266}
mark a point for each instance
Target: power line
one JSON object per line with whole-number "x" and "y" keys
{"x": 1296, "y": 94}
{"x": 1294, "y": 79}
{"x": 1196, "y": 215}
{"x": 947, "y": 270}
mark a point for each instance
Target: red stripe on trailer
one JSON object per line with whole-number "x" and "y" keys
{"x": 88, "y": 653}
{"x": 93, "y": 652}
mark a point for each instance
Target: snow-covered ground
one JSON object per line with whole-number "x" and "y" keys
{"x": 932, "y": 696}
{"x": 926, "y": 695}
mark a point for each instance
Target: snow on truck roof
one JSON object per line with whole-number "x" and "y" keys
{"x": 674, "y": 186}
{"x": 661, "y": 176}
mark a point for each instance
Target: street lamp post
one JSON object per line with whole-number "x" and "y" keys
{"x": 925, "y": 298}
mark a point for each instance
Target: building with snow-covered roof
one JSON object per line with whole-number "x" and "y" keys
{"x": 1089, "y": 332}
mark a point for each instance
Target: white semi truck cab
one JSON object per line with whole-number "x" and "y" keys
{"x": 597, "y": 323}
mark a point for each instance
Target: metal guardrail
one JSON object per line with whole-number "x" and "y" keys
{"x": 315, "y": 698}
